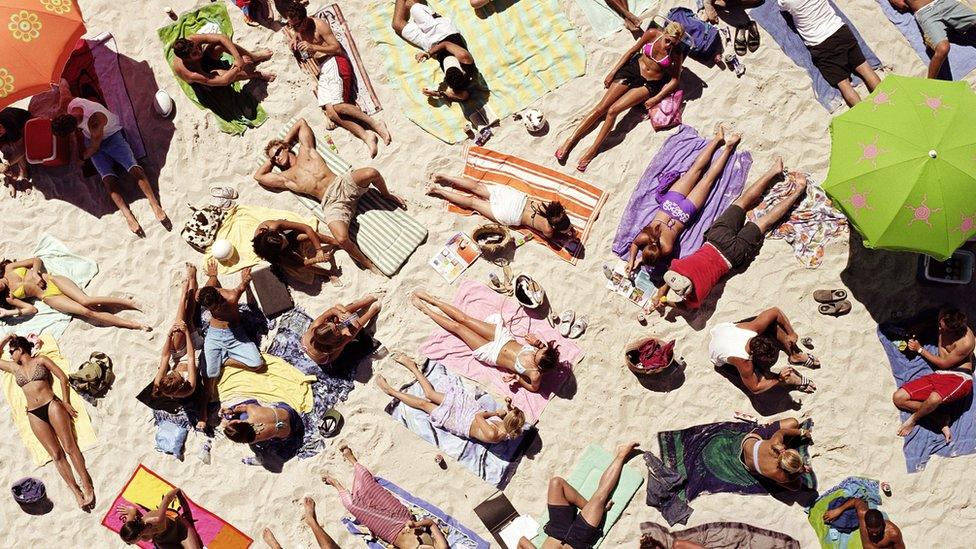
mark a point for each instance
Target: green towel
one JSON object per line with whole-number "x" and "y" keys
{"x": 586, "y": 477}
{"x": 236, "y": 110}
{"x": 815, "y": 518}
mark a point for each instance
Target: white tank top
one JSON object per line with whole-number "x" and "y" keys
{"x": 89, "y": 108}
{"x": 728, "y": 341}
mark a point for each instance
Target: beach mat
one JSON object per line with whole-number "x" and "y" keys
{"x": 582, "y": 200}
{"x": 721, "y": 535}
{"x": 458, "y": 536}
{"x": 145, "y": 489}
{"x": 280, "y": 382}
{"x": 493, "y": 463}
{"x": 517, "y": 63}
{"x": 238, "y": 228}
{"x": 235, "y": 109}
{"x": 480, "y": 302}
{"x": 778, "y": 26}
{"x": 851, "y": 487}
{"x": 674, "y": 158}
{"x": 962, "y": 56}
{"x": 586, "y": 478}
{"x": 82, "y": 424}
{"x": 604, "y": 20}
{"x": 58, "y": 260}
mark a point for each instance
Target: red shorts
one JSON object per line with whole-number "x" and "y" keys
{"x": 950, "y": 386}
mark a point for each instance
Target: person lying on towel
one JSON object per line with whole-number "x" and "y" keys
{"x": 952, "y": 379}
{"x": 493, "y": 343}
{"x": 294, "y": 247}
{"x": 575, "y": 521}
{"x": 731, "y": 242}
{"x": 177, "y": 376}
{"x": 772, "y": 458}
{"x": 337, "y": 326}
{"x": 249, "y": 422}
{"x": 162, "y": 526}
{"x": 752, "y": 347}
{"x": 197, "y": 60}
{"x": 876, "y": 531}
{"x": 439, "y": 39}
{"x": 322, "y": 538}
{"x": 680, "y": 202}
{"x": 14, "y": 169}
{"x": 382, "y": 513}
{"x": 935, "y": 18}
{"x": 458, "y": 411}
{"x": 312, "y": 41}
{"x": 306, "y": 173}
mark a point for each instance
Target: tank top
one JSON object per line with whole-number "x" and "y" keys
{"x": 728, "y": 341}
{"x": 89, "y": 108}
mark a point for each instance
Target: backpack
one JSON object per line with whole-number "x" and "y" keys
{"x": 200, "y": 230}
{"x": 94, "y": 376}
{"x": 702, "y": 36}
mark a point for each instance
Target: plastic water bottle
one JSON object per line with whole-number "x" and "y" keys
{"x": 204, "y": 453}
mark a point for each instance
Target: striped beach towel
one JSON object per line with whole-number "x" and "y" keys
{"x": 523, "y": 51}
{"x": 386, "y": 234}
{"x": 582, "y": 200}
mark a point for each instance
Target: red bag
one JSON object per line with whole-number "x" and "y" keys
{"x": 653, "y": 356}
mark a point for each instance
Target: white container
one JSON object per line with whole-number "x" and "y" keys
{"x": 964, "y": 261}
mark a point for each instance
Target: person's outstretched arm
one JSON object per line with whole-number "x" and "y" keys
{"x": 211, "y": 272}
{"x": 302, "y": 134}
{"x": 238, "y": 291}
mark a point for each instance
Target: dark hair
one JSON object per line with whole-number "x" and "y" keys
{"x": 131, "y": 529}
{"x": 874, "y": 520}
{"x": 953, "y": 318}
{"x": 21, "y": 343}
{"x": 555, "y": 214}
{"x": 267, "y": 245}
{"x": 325, "y": 335}
{"x": 457, "y": 79}
{"x": 208, "y": 297}
{"x": 550, "y": 357}
{"x": 182, "y": 48}
{"x": 240, "y": 431}
{"x": 295, "y": 10}
{"x": 763, "y": 350}
{"x": 64, "y": 124}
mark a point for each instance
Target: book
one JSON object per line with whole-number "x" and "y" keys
{"x": 455, "y": 257}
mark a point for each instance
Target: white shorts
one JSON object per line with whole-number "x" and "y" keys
{"x": 337, "y": 83}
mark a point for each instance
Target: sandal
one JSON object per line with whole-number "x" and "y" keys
{"x": 802, "y": 383}
{"x": 829, "y": 296}
{"x": 752, "y": 41}
{"x": 838, "y": 308}
{"x": 331, "y": 423}
{"x": 566, "y": 322}
{"x": 810, "y": 362}
{"x": 741, "y": 41}
{"x": 579, "y": 326}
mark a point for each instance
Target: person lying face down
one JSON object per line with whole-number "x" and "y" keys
{"x": 249, "y": 422}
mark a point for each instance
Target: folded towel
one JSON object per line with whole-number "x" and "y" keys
{"x": 171, "y": 438}
{"x": 604, "y": 20}
{"x": 829, "y": 535}
{"x": 281, "y": 382}
{"x": 962, "y": 55}
{"x": 721, "y": 535}
{"x": 238, "y": 228}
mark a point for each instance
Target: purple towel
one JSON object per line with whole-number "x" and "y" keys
{"x": 962, "y": 58}
{"x": 676, "y": 156}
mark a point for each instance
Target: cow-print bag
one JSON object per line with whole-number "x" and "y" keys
{"x": 200, "y": 230}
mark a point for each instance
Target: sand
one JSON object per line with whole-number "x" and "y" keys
{"x": 772, "y": 105}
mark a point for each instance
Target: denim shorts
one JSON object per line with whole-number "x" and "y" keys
{"x": 937, "y": 18}
{"x": 114, "y": 149}
{"x": 222, "y": 344}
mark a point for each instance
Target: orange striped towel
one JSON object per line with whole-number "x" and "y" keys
{"x": 581, "y": 200}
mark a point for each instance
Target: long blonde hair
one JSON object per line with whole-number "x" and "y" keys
{"x": 790, "y": 461}
{"x": 674, "y": 30}
{"x": 513, "y": 422}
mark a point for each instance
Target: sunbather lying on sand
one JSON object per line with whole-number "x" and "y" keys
{"x": 935, "y": 19}
{"x": 161, "y": 526}
{"x": 752, "y": 347}
{"x": 50, "y": 417}
{"x": 680, "y": 204}
{"x": 439, "y": 39}
{"x": 250, "y": 422}
{"x": 177, "y": 376}
{"x": 197, "y": 60}
{"x": 504, "y": 205}
{"x": 772, "y": 459}
{"x": 492, "y": 342}
{"x": 575, "y": 521}
{"x": 322, "y": 538}
{"x": 457, "y": 411}
{"x": 335, "y": 328}
{"x": 293, "y": 246}
{"x": 876, "y": 531}
{"x": 307, "y": 173}
{"x": 29, "y": 280}
{"x": 382, "y": 513}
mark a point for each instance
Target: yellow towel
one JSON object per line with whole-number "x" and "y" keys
{"x": 282, "y": 382}
{"x": 18, "y": 406}
{"x": 238, "y": 228}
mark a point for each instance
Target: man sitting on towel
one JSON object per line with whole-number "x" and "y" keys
{"x": 197, "y": 60}
{"x": 306, "y": 173}
{"x": 877, "y": 532}
{"x": 952, "y": 379}
{"x": 731, "y": 242}
{"x": 935, "y": 18}
{"x": 832, "y": 45}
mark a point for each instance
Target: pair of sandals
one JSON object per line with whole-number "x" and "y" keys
{"x": 746, "y": 39}
{"x": 569, "y": 324}
{"x": 832, "y": 302}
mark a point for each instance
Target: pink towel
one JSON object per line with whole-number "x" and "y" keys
{"x": 480, "y": 301}
{"x": 374, "y": 506}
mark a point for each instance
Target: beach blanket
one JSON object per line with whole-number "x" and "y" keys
{"x": 586, "y": 478}
{"x": 781, "y": 29}
{"x": 604, "y": 20}
{"x": 494, "y": 463}
{"x": 236, "y": 110}
{"x": 812, "y": 224}
{"x": 458, "y": 536}
{"x": 709, "y": 457}
{"x": 366, "y": 97}
{"x": 674, "y": 158}
{"x": 924, "y": 441}
{"x": 828, "y": 534}
{"x": 721, "y": 535}
{"x": 145, "y": 489}
{"x": 386, "y": 234}
{"x": 238, "y": 228}
{"x": 480, "y": 302}
{"x": 281, "y": 382}
{"x": 523, "y": 52}
{"x": 962, "y": 56}
{"x": 18, "y": 405}
{"x": 582, "y": 200}
{"x": 58, "y": 260}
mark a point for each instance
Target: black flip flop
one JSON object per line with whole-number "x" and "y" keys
{"x": 753, "y": 39}
{"x": 331, "y": 423}
{"x": 741, "y": 41}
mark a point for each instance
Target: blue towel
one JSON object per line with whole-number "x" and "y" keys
{"x": 962, "y": 58}
{"x": 840, "y": 532}
{"x": 171, "y": 438}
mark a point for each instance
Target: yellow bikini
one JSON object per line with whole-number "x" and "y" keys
{"x": 51, "y": 289}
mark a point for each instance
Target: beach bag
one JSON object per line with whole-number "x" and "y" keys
{"x": 702, "y": 36}
{"x": 94, "y": 376}
{"x": 667, "y": 112}
{"x": 200, "y": 230}
{"x": 653, "y": 356}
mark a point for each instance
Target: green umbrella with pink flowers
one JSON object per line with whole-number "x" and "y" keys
{"x": 903, "y": 165}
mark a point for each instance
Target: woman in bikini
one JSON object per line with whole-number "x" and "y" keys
{"x": 249, "y": 422}
{"x": 492, "y": 342}
{"x": 49, "y": 417}
{"x": 163, "y": 527}
{"x": 646, "y": 73}
{"x": 338, "y": 326}
{"x": 28, "y": 280}
{"x": 680, "y": 204}
{"x": 176, "y": 376}
{"x": 772, "y": 459}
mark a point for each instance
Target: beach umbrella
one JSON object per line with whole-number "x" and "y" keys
{"x": 36, "y": 39}
{"x": 903, "y": 165}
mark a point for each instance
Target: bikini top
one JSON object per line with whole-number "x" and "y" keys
{"x": 21, "y": 292}
{"x": 648, "y": 50}
{"x": 519, "y": 367}
{"x": 40, "y": 373}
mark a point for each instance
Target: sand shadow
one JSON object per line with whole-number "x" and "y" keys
{"x": 669, "y": 380}
{"x": 769, "y": 403}
{"x": 493, "y": 7}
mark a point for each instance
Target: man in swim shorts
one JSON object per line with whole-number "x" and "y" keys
{"x": 935, "y": 18}
{"x": 305, "y": 172}
{"x": 197, "y": 60}
{"x": 952, "y": 377}
{"x": 440, "y": 39}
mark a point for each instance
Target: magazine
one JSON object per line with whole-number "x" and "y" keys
{"x": 457, "y": 255}
{"x": 638, "y": 291}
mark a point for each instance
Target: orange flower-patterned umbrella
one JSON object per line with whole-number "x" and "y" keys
{"x": 36, "y": 39}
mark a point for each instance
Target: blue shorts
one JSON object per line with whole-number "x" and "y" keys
{"x": 114, "y": 149}
{"x": 222, "y": 344}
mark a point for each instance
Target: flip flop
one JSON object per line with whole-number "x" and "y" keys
{"x": 804, "y": 384}
{"x": 810, "y": 362}
{"x": 753, "y": 36}
{"x": 837, "y": 308}
{"x": 579, "y": 327}
{"x": 331, "y": 423}
{"x": 741, "y": 41}
{"x": 566, "y": 322}
{"x": 829, "y": 296}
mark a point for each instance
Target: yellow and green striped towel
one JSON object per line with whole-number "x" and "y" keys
{"x": 523, "y": 51}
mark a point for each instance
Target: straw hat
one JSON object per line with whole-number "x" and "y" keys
{"x": 491, "y": 238}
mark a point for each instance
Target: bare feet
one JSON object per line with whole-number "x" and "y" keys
{"x": 441, "y": 179}
{"x": 777, "y": 166}
{"x": 720, "y": 132}
{"x": 372, "y": 142}
{"x": 331, "y": 481}
{"x": 266, "y": 76}
{"x": 134, "y": 226}
{"x": 191, "y": 270}
{"x": 397, "y": 200}
{"x": 431, "y": 189}
{"x": 405, "y": 361}
{"x": 733, "y": 140}
{"x": 562, "y": 153}
{"x": 262, "y": 55}
{"x": 270, "y": 539}
{"x": 310, "y": 516}
{"x": 632, "y": 24}
{"x": 383, "y": 132}
{"x": 947, "y": 433}
{"x": 423, "y": 295}
{"x": 417, "y": 302}
{"x": 81, "y": 500}
{"x": 710, "y": 14}
{"x": 800, "y": 187}
{"x": 346, "y": 452}
{"x": 907, "y": 427}
{"x": 383, "y": 384}
{"x": 146, "y": 328}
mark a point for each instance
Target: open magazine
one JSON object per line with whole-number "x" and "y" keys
{"x": 455, "y": 257}
{"x": 638, "y": 291}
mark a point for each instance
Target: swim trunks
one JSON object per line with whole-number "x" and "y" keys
{"x": 339, "y": 201}
{"x": 951, "y": 386}
{"x": 337, "y": 81}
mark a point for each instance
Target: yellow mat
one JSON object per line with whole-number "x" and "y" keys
{"x": 238, "y": 228}
{"x": 282, "y": 382}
